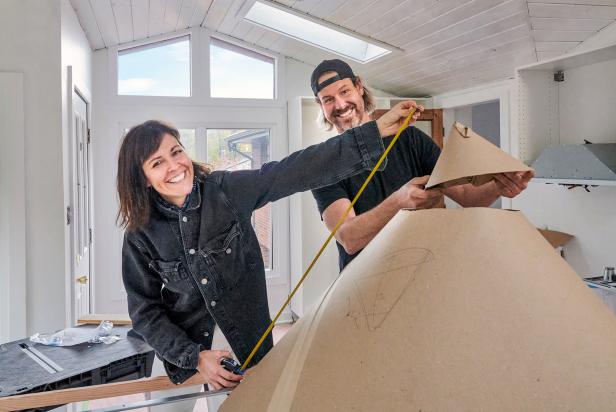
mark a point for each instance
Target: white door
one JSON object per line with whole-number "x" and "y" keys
{"x": 79, "y": 213}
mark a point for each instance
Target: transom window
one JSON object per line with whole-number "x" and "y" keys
{"x": 156, "y": 69}
{"x": 237, "y": 72}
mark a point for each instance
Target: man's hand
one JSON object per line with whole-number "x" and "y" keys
{"x": 511, "y": 184}
{"x": 414, "y": 196}
{"x": 391, "y": 121}
{"x": 212, "y": 371}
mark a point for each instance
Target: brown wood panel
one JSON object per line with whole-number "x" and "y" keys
{"x": 97, "y": 318}
{"x": 64, "y": 396}
{"x": 435, "y": 116}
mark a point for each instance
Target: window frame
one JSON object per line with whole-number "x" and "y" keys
{"x": 114, "y": 53}
{"x": 114, "y": 113}
{"x": 253, "y": 49}
{"x": 279, "y": 274}
{"x": 200, "y": 74}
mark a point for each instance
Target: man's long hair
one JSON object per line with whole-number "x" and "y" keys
{"x": 369, "y": 104}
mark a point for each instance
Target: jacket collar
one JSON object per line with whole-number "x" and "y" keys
{"x": 193, "y": 201}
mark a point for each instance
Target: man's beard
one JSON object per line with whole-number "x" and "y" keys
{"x": 347, "y": 123}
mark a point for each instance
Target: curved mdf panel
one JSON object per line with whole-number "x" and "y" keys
{"x": 466, "y": 309}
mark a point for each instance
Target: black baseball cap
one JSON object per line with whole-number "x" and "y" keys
{"x": 343, "y": 71}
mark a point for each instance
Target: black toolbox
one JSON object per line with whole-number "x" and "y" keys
{"x": 26, "y": 367}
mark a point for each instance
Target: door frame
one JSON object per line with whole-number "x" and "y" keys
{"x": 434, "y": 116}
{"x": 74, "y": 86}
{"x": 504, "y": 93}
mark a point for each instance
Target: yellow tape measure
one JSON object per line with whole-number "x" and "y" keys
{"x": 331, "y": 235}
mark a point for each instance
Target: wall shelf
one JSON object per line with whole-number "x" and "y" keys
{"x": 568, "y": 112}
{"x": 574, "y": 60}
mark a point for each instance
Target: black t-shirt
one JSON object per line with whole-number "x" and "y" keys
{"x": 413, "y": 155}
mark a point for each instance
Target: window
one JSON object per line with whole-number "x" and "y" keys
{"x": 236, "y": 72}
{"x": 156, "y": 69}
{"x": 236, "y": 149}
{"x": 316, "y": 32}
{"x": 189, "y": 141}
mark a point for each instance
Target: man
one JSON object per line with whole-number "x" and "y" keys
{"x": 345, "y": 103}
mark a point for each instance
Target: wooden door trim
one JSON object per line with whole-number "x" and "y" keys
{"x": 434, "y": 116}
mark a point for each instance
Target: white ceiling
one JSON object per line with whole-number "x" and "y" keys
{"x": 446, "y": 44}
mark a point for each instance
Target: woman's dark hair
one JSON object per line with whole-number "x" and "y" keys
{"x": 133, "y": 192}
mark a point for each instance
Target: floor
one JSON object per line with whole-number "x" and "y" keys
{"x": 200, "y": 406}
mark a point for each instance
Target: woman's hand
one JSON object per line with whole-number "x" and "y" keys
{"x": 391, "y": 121}
{"x": 212, "y": 371}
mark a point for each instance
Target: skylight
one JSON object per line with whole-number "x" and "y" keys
{"x": 315, "y": 32}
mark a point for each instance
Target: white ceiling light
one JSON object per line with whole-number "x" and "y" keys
{"x": 316, "y": 32}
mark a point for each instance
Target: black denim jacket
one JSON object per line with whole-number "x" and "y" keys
{"x": 191, "y": 268}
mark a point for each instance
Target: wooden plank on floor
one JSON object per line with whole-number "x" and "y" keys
{"x": 64, "y": 396}
{"x": 96, "y": 318}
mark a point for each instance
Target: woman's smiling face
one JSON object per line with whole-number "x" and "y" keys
{"x": 170, "y": 171}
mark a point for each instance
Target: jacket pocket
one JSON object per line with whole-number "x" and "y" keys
{"x": 225, "y": 256}
{"x": 172, "y": 274}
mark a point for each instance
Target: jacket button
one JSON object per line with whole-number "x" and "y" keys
{"x": 206, "y": 334}
{"x": 191, "y": 251}
{"x": 228, "y": 251}
{"x": 184, "y": 219}
{"x": 204, "y": 281}
{"x": 213, "y": 303}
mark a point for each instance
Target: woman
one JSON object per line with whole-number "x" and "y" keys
{"x": 191, "y": 259}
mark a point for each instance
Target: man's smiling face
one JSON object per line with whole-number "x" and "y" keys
{"x": 342, "y": 103}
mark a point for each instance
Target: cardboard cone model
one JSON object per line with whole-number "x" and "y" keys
{"x": 469, "y": 158}
{"x": 445, "y": 310}
{"x": 555, "y": 238}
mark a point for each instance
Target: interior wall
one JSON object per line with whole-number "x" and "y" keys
{"x": 485, "y": 121}
{"x": 306, "y": 237}
{"x": 313, "y": 229}
{"x": 585, "y": 102}
{"x": 463, "y": 115}
{"x": 12, "y": 209}
{"x": 31, "y": 33}
{"x": 75, "y": 52}
{"x": 487, "y": 109}
{"x": 297, "y": 79}
{"x": 589, "y": 217}
{"x": 592, "y": 117}
{"x": 457, "y": 106}
{"x": 483, "y": 118}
